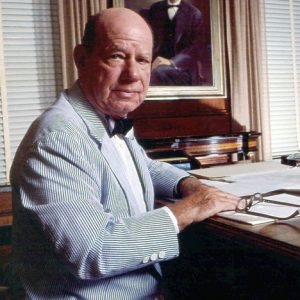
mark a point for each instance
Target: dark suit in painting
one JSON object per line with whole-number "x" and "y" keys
{"x": 180, "y": 40}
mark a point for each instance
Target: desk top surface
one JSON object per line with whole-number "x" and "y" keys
{"x": 238, "y": 169}
{"x": 280, "y": 236}
{"x": 283, "y": 236}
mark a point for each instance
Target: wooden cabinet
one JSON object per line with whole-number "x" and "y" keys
{"x": 204, "y": 151}
{"x": 199, "y": 130}
{"x": 182, "y": 118}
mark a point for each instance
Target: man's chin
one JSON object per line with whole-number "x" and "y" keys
{"x": 126, "y": 108}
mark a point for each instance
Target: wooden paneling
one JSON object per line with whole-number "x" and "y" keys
{"x": 182, "y": 118}
{"x": 5, "y": 208}
{"x": 181, "y": 108}
{"x": 5, "y": 238}
{"x": 5, "y": 224}
{"x": 153, "y": 128}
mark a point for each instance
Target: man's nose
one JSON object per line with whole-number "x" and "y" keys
{"x": 131, "y": 71}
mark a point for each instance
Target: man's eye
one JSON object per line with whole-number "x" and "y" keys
{"x": 143, "y": 60}
{"x": 116, "y": 56}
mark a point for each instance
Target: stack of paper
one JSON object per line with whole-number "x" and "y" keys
{"x": 247, "y": 179}
{"x": 275, "y": 208}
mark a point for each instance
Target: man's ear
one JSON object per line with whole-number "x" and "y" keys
{"x": 79, "y": 56}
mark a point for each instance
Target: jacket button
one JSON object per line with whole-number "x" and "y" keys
{"x": 162, "y": 254}
{"x": 146, "y": 259}
{"x": 154, "y": 256}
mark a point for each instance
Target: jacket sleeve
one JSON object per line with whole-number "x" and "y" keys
{"x": 165, "y": 177}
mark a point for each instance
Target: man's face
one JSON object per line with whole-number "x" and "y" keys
{"x": 116, "y": 72}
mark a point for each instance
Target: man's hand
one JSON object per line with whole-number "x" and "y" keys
{"x": 200, "y": 202}
{"x": 159, "y": 60}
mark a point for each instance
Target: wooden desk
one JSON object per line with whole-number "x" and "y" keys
{"x": 225, "y": 259}
{"x": 222, "y": 259}
{"x": 281, "y": 238}
{"x": 5, "y": 219}
{"x": 5, "y": 239}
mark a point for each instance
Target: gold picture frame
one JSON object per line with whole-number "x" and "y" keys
{"x": 217, "y": 88}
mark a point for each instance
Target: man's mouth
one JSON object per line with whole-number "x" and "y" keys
{"x": 125, "y": 93}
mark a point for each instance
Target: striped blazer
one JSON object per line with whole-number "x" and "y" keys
{"x": 76, "y": 234}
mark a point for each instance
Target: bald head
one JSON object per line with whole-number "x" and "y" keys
{"x": 114, "y": 61}
{"x": 114, "y": 19}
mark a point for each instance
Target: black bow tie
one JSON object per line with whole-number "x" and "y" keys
{"x": 171, "y": 5}
{"x": 122, "y": 126}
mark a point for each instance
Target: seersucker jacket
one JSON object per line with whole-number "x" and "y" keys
{"x": 76, "y": 234}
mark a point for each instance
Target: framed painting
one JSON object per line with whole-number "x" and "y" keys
{"x": 194, "y": 54}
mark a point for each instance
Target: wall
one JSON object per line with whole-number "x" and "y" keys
{"x": 182, "y": 118}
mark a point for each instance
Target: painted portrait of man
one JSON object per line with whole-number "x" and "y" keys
{"x": 182, "y": 48}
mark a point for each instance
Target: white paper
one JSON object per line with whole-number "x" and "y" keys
{"x": 285, "y": 198}
{"x": 244, "y": 218}
{"x": 263, "y": 181}
{"x": 218, "y": 172}
{"x": 273, "y": 210}
{"x": 260, "y": 182}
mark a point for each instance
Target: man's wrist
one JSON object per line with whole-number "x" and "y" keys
{"x": 173, "y": 64}
{"x": 178, "y": 190}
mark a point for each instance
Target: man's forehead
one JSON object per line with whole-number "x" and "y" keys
{"x": 122, "y": 39}
{"x": 126, "y": 46}
{"x": 126, "y": 32}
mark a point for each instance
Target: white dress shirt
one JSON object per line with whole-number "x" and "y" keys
{"x": 173, "y": 10}
{"x": 133, "y": 176}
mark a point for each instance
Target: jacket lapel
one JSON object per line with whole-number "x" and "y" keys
{"x": 117, "y": 167}
{"x": 181, "y": 22}
{"x": 142, "y": 170}
{"x": 98, "y": 129}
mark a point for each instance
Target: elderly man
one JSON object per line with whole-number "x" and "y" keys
{"x": 83, "y": 192}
